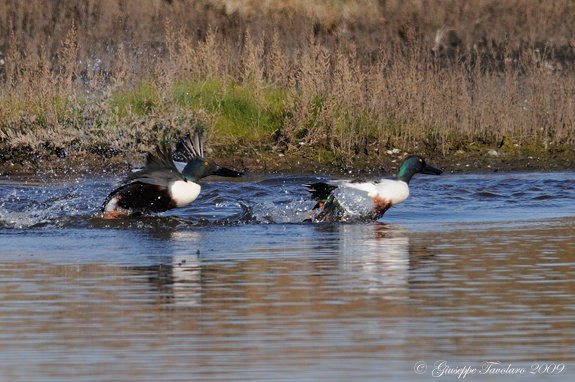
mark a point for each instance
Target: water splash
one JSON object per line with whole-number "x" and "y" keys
{"x": 36, "y": 202}
{"x": 46, "y": 203}
{"x": 356, "y": 203}
{"x": 295, "y": 211}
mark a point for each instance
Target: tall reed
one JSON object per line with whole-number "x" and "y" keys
{"x": 351, "y": 77}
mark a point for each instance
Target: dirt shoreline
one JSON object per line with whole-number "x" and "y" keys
{"x": 55, "y": 163}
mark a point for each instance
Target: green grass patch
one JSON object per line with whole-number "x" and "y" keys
{"x": 141, "y": 100}
{"x": 245, "y": 111}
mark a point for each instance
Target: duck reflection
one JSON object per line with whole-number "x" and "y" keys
{"x": 187, "y": 280}
{"x": 179, "y": 279}
{"x": 178, "y": 282}
{"x": 377, "y": 255}
{"x": 369, "y": 259}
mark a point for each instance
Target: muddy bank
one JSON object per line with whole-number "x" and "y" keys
{"x": 57, "y": 162}
{"x": 297, "y": 163}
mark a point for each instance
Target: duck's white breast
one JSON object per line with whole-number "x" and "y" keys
{"x": 112, "y": 205}
{"x": 184, "y": 192}
{"x": 394, "y": 191}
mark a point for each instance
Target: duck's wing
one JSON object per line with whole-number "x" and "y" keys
{"x": 190, "y": 147}
{"x": 160, "y": 169}
{"x": 321, "y": 190}
{"x": 328, "y": 207}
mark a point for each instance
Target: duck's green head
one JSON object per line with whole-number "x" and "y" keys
{"x": 415, "y": 164}
{"x": 200, "y": 168}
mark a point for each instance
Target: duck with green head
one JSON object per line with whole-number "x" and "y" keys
{"x": 160, "y": 186}
{"x": 341, "y": 200}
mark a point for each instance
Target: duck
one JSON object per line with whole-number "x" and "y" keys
{"x": 345, "y": 200}
{"x": 161, "y": 185}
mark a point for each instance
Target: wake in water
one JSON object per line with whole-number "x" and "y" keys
{"x": 33, "y": 202}
{"x": 76, "y": 204}
{"x": 39, "y": 205}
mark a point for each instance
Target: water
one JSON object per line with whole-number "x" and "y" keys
{"x": 470, "y": 268}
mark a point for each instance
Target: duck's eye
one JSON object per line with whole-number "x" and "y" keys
{"x": 421, "y": 160}
{"x": 205, "y": 163}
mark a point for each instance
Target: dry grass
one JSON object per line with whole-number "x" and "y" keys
{"x": 353, "y": 77}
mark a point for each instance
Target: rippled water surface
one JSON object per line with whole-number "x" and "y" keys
{"x": 470, "y": 268}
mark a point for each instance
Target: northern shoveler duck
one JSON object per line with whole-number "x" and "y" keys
{"x": 341, "y": 200}
{"x": 160, "y": 186}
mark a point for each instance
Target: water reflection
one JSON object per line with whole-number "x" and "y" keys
{"x": 301, "y": 298}
{"x": 501, "y": 287}
{"x": 190, "y": 296}
{"x": 178, "y": 283}
{"x": 376, "y": 255}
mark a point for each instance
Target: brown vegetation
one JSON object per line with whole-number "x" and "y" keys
{"x": 355, "y": 78}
